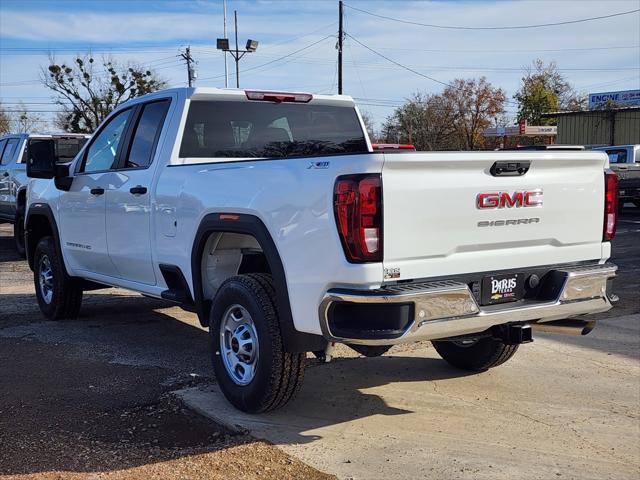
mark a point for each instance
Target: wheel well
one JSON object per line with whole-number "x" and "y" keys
{"x": 251, "y": 250}
{"x": 226, "y": 254}
{"x": 38, "y": 226}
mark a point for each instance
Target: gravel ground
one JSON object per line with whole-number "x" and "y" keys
{"x": 91, "y": 398}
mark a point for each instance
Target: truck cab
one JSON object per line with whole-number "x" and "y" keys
{"x": 625, "y": 161}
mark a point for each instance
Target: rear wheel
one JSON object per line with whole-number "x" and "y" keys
{"x": 254, "y": 372}
{"x": 476, "y": 355}
{"x": 59, "y": 295}
{"x": 18, "y": 234}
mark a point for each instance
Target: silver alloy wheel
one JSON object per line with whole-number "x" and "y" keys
{"x": 45, "y": 275}
{"x": 239, "y": 344}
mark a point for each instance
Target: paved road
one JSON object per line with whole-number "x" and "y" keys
{"x": 72, "y": 392}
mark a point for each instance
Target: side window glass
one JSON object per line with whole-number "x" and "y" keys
{"x": 9, "y": 150}
{"x": 147, "y": 131}
{"x": 2, "y": 144}
{"x": 102, "y": 152}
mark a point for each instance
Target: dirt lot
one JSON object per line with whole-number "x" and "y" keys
{"x": 91, "y": 398}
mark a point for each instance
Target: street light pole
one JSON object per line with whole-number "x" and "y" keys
{"x": 236, "y": 53}
{"x": 224, "y": 31}
{"x": 237, "y": 57}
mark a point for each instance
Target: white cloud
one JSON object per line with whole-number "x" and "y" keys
{"x": 366, "y": 75}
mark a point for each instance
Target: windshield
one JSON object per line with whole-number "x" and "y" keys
{"x": 265, "y": 129}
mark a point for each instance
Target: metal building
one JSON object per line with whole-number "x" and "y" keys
{"x": 617, "y": 126}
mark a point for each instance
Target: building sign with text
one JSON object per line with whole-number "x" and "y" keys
{"x": 626, "y": 98}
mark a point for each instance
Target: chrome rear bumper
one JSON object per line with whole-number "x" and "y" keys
{"x": 448, "y": 308}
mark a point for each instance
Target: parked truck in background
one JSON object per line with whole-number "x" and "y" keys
{"x": 270, "y": 216}
{"x": 14, "y": 151}
{"x": 625, "y": 161}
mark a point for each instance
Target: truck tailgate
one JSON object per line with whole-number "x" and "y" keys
{"x": 433, "y": 226}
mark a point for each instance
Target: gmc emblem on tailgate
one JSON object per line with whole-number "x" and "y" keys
{"x": 524, "y": 198}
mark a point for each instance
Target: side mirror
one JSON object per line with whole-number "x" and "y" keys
{"x": 63, "y": 180}
{"x": 41, "y": 159}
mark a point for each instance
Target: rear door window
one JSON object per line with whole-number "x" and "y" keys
{"x": 271, "y": 130}
{"x": 146, "y": 134}
{"x": 9, "y": 150}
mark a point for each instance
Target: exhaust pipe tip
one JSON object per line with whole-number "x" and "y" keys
{"x": 566, "y": 327}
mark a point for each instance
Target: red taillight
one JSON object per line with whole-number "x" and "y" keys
{"x": 278, "y": 97}
{"x": 610, "y": 205}
{"x": 358, "y": 209}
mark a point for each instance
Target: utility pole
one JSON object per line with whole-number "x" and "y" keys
{"x": 188, "y": 58}
{"x": 340, "y": 35}
{"x": 224, "y": 30}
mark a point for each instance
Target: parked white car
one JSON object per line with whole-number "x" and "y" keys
{"x": 270, "y": 215}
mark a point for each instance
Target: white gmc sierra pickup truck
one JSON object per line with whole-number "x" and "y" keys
{"x": 270, "y": 216}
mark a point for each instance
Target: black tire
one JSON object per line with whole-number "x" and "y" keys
{"x": 370, "y": 350}
{"x": 278, "y": 375}
{"x": 66, "y": 293}
{"x": 483, "y": 354}
{"x": 18, "y": 234}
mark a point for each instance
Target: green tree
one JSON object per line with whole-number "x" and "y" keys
{"x": 87, "y": 91}
{"x": 544, "y": 89}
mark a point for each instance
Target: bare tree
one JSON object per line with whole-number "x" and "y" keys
{"x": 475, "y": 104}
{"x": 453, "y": 120}
{"x": 5, "y": 121}
{"x": 25, "y": 121}
{"x": 369, "y": 125}
{"x": 88, "y": 91}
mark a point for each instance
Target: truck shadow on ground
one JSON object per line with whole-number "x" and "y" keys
{"x": 94, "y": 394}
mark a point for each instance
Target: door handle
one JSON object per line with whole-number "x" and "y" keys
{"x": 138, "y": 190}
{"x": 5, "y": 174}
{"x": 97, "y": 191}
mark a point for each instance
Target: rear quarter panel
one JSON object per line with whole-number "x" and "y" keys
{"x": 292, "y": 199}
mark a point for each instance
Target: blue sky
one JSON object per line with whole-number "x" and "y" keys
{"x": 594, "y": 56}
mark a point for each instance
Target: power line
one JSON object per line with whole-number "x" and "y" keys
{"x": 409, "y": 68}
{"x": 511, "y": 27}
{"x": 396, "y": 63}
{"x": 276, "y": 60}
{"x": 494, "y": 50}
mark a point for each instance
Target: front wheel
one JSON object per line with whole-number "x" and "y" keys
{"x": 254, "y": 372}
{"x": 59, "y": 295}
{"x": 475, "y": 355}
